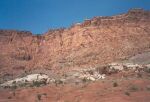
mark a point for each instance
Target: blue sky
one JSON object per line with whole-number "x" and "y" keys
{"x": 38, "y": 16}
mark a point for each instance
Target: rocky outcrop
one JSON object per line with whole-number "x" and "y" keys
{"x": 33, "y": 79}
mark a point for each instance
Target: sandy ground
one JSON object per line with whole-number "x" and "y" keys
{"x": 112, "y": 89}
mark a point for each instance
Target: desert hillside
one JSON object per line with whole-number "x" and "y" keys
{"x": 99, "y": 40}
{"x": 104, "y": 47}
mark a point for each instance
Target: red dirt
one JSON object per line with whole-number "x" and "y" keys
{"x": 101, "y": 91}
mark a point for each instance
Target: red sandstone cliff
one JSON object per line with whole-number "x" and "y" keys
{"x": 99, "y": 40}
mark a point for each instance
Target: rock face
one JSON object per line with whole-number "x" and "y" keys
{"x": 100, "y": 40}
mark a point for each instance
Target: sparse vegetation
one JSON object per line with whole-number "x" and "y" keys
{"x": 148, "y": 88}
{"x": 133, "y": 88}
{"x": 76, "y": 83}
{"x": 125, "y": 68}
{"x": 127, "y": 93}
{"x": 84, "y": 80}
{"x": 14, "y": 93}
{"x": 38, "y": 83}
{"x": 23, "y": 85}
{"x": 139, "y": 75}
{"x": 65, "y": 75}
{"x": 115, "y": 84}
{"x": 14, "y": 82}
{"x": 58, "y": 82}
{"x": 147, "y": 70}
{"x": 90, "y": 72}
{"x": 9, "y": 97}
{"x": 14, "y": 87}
{"x": 102, "y": 70}
{"x": 39, "y": 96}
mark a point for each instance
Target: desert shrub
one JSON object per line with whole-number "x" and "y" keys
{"x": 22, "y": 57}
{"x": 6, "y": 87}
{"x": 76, "y": 83}
{"x": 90, "y": 72}
{"x": 7, "y": 76}
{"x": 26, "y": 81}
{"x": 148, "y": 88}
{"x": 103, "y": 70}
{"x": 14, "y": 82}
{"x": 14, "y": 94}
{"x": 9, "y": 97}
{"x": 127, "y": 93}
{"x": 39, "y": 96}
{"x": 125, "y": 68}
{"x": 58, "y": 82}
{"x": 19, "y": 67}
{"x": 23, "y": 85}
{"x": 115, "y": 84}
{"x": 14, "y": 87}
{"x": 27, "y": 57}
{"x": 38, "y": 83}
{"x": 133, "y": 88}
{"x": 147, "y": 70}
{"x": 139, "y": 75}
{"x": 65, "y": 75}
{"x": 113, "y": 71}
{"x": 84, "y": 80}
